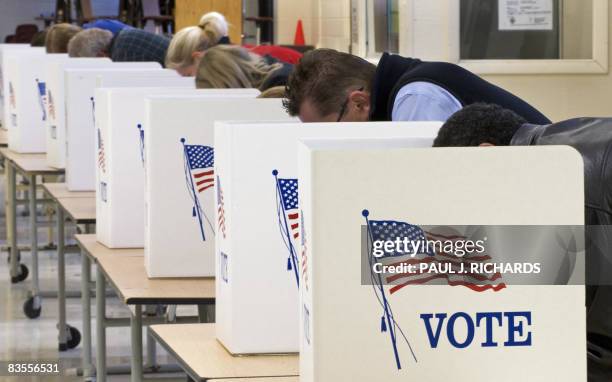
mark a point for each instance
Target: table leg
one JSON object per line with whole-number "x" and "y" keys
{"x": 151, "y": 350}
{"x": 86, "y": 306}
{"x": 33, "y": 306}
{"x": 61, "y": 273}
{"x": 100, "y": 329}
{"x": 206, "y": 313}
{"x": 11, "y": 221}
{"x": 136, "y": 329}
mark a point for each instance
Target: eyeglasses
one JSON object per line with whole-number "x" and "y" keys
{"x": 345, "y": 105}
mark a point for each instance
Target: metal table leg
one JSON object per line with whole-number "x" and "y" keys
{"x": 136, "y": 329}
{"x": 100, "y": 326}
{"x": 151, "y": 351}
{"x": 11, "y": 221}
{"x": 61, "y": 273}
{"x": 33, "y": 305}
{"x": 86, "y": 306}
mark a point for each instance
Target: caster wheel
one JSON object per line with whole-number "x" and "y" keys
{"x": 29, "y": 310}
{"x": 23, "y": 274}
{"x": 75, "y": 337}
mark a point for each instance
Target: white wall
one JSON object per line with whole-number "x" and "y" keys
{"x": 559, "y": 96}
{"x": 15, "y": 12}
{"x": 326, "y": 22}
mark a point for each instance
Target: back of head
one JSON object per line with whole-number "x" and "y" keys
{"x": 214, "y": 23}
{"x": 59, "y": 35}
{"x": 324, "y": 77}
{"x": 479, "y": 123}
{"x": 39, "y": 38}
{"x": 92, "y": 42}
{"x": 231, "y": 66}
{"x": 198, "y": 38}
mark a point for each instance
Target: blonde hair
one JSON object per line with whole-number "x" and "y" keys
{"x": 274, "y": 92}
{"x": 206, "y": 34}
{"x": 58, "y": 36}
{"x": 231, "y": 66}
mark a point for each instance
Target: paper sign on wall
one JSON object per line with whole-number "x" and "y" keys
{"x": 515, "y": 15}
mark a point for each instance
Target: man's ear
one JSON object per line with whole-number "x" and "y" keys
{"x": 486, "y": 144}
{"x": 361, "y": 101}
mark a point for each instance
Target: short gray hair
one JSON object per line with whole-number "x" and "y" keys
{"x": 92, "y": 42}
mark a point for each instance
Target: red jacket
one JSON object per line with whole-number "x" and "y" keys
{"x": 283, "y": 54}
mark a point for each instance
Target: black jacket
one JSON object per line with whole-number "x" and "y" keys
{"x": 394, "y": 72}
{"x": 277, "y": 77}
{"x": 592, "y": 138}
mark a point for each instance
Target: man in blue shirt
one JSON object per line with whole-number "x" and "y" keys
{"x": 113, "y": 26}
{"x": 331, "y": 86}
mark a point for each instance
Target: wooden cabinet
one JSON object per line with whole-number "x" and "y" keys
{"x": 188, "y": 12}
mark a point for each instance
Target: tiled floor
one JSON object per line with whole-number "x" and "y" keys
{"x": 23, "y": 339}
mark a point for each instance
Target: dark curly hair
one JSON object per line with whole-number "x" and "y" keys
{"x": 479, "y": 123}
{"x": 324, "y": 76}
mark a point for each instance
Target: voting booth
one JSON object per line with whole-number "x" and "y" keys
{"x": 259, "y": 225}
{"x": 180, "y": 226}
{"x": 25, "y": 112}
{"x": 3, "y": 49}
{"x": 81, "y": 151}
{"x": 120, "y": 115}
{"x": 417, "y": 329}
{"x": 56, "y": 103}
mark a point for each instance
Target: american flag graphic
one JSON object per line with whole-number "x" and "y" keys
{"x": 304, "y": 253}
{"x": 287, "y": 204}
{"x": 385, "y": 230}
{"x": 12, "y": 101}
{"x": 101, "y": 158}
{"x": 42, "y": 97}
{"x": 51, "y": 104}
{"x": 220, "y": 208}
{"x": 200, "y": 176}
{"x": 390, "y": 230}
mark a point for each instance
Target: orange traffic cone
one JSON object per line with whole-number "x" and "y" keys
{"x": 299, "y": 34}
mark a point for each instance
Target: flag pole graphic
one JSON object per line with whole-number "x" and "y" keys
{"x": 388, "y": 320}
{"x": 93, "y": 109}
{"x": 197, "y": 208}
{"x": 285, "y": 231}
{"x": 141, "y": 136}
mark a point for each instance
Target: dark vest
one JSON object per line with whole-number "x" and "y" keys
{"x": 394, "y": 72}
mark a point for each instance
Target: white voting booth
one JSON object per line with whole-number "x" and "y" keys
{"x": 431, "y": 332}
{"x": 258, "y": 208}
{"x": 4, "y": 48}
{"x": 81, "y": 153}
{"x": 120, "y": 116}
{"x": 25, "y": 114}
{"x": 56, "y": 100}
{"x": 180, "y": 211}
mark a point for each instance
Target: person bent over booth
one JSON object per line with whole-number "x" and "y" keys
{"x": 129, "y": 45}
{"x": 331, "y": 86}
{"x": 492, "y": 125}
